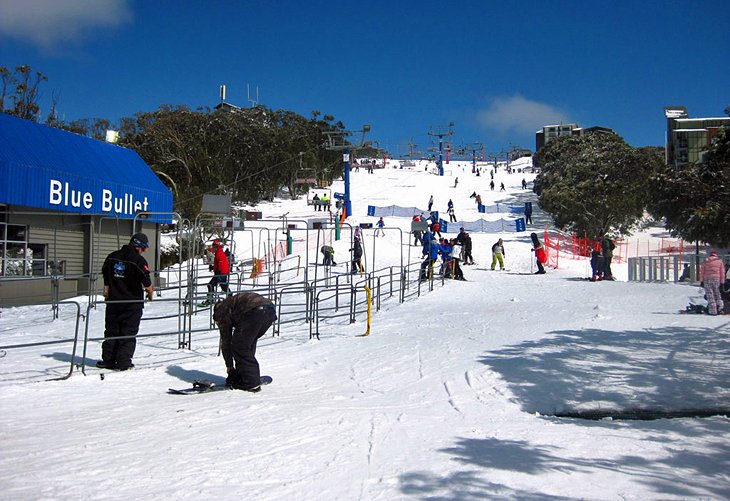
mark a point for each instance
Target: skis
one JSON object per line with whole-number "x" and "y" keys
{"x": 209, "y": 386}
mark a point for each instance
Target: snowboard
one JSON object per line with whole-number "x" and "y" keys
{"x": 208, "y": 386}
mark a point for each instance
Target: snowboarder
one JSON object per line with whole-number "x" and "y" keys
{"x": 524, "y": 184}
{"x": 242, "y": 319}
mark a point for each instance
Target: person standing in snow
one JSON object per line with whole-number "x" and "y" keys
{"x": 126, "y": 277}
{"x": 607, "y": 247}
{"x": 528, "y": 212}
{"x": 242, "y": 319}
{"x": 431, "y": 249}
{"x": 430, "y": 203}
{"x": 452, "y": 215}
{"x": 456, "y": 252}
{"x": 379, "y": 232}
{"x": 445, "y": 251}
{"x": 417, "y": 234}
{"x": 596, "y": 266}
{"x": 357, "y": 256}
{"x": 468, "y": 258}
{"x": 540, "y": 255}
{"x": 712, "y": 273}
{"x": 498, "y": 254}
{"x": 220, "y": 268}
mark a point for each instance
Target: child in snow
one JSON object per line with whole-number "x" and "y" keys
{"x": 596, "y": 265}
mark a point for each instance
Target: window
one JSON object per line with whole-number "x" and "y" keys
{"x": 17, "y": 256}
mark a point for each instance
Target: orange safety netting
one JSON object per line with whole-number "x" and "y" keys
{"x": 559, "y": 245}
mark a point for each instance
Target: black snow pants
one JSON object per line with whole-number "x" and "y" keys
{"x": 246, "y": 334}
{"x": 121, "y": 324}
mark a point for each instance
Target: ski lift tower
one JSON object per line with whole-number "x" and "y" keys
{"x": 441, "y": 131}
{"x": 474, "y": 147}
{"x": 336, "y": 142}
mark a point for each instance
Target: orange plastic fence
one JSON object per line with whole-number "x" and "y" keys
{"x": 570, "y": 246}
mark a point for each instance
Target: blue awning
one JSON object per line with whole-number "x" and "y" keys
{"x": 47, "y": 168}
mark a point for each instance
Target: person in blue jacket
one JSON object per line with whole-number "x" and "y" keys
{"x": 431, "y": 254}
{"x": 445, "y": 251}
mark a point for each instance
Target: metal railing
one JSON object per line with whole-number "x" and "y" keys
{"x": 330, "y": 300}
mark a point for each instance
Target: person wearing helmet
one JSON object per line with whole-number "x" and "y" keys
{"x": 126, "y": 277}
{"x": 220, "y": 268}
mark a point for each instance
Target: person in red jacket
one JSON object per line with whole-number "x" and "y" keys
{"x": 712, "y": 273}
{"x": 220, "y": 268}
{"x": 540, "y": 255}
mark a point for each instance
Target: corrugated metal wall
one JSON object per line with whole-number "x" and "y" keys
{"x": 76, "y": 240}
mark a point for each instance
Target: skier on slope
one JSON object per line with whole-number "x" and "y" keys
{"x": 498, "y": 254}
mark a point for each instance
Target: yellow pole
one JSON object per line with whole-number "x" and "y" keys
{"x": 369, "y": 299}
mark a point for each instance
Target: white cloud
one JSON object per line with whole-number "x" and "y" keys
{"x": 48, "y": 22}
{"x": 517, "y": 114}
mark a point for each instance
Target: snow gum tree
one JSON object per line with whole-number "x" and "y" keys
{"x": 596, "y": 183}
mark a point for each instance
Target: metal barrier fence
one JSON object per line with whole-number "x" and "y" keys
{"x": 668, "y": 268}
{"x": 334, "y": 298}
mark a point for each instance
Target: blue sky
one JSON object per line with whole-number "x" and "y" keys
{"x": 499, "y": 70}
